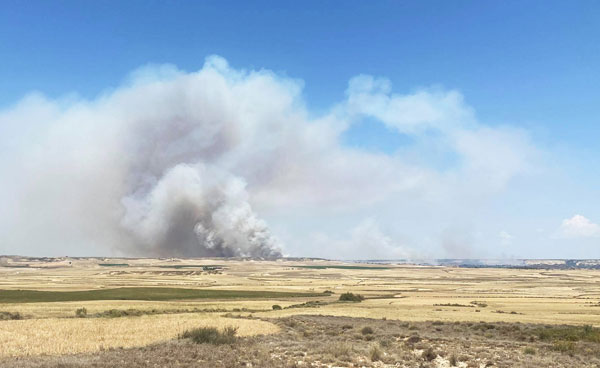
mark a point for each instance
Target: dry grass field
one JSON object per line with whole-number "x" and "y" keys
{"x": 218, "y": 292}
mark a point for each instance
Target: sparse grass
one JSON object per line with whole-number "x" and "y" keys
{"x": 140, "y": 293}
{"x": 211, "y": 335}
{"x": 564, "y": 346}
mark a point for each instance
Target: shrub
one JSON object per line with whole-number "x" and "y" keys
{"x": 366, "y": 330}
{"x": 81, "y": 313}
{"x": 211, "y": 335}
{"x": 569, "y": 333}
{"x": 276, "y": 307}
{"x": 429, "y": 354}
{"x": 10, "y": 316}
{"x": 375, "y": 353}
{"x": 350, "y": 297}
{"x": 413, "y": 339}
{"x": 117, "y": 313}
{"x": 529, "y": 351}
{"x": 340, "y": 350}
{"x": 453, "y": 361}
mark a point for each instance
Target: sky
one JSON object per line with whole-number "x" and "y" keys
{"x": 347, "y": 130}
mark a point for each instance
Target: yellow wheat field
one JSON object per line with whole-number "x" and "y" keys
{"x": 53, "y": 336}
{"x": 408, "y": 293}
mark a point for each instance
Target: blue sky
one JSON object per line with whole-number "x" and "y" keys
{"x": 532, "y": 63}
{"x": 529, "y": 65}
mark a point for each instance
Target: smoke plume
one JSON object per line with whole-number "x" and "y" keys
{"x": 146, "y": 169}
{"x": 172, "y": 163}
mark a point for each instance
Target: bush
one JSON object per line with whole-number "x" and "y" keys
{"x": 276, "y": 307}
{"x": 366, "y": 330}
{"x": 413, "y": 339}
{"x": 340, "y": 350}
{"x": 453, "y": 361}
{"x": 375, "y": 353}
{"x": 81, "y": 313}
{"x": 529, "y": 351}
{"x": 211, "y": 335}
{"x": 10, "y": 316}
{"x": 570, "y": 333}
{"x": 117, "y": 313}
{"x": 429, "y": 354}
{"x": 350, "y": 297}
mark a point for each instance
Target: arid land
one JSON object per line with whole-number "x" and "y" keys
{"x": 130, "y": 312}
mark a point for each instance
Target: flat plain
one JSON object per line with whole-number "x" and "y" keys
{"x": 62, "y": 308}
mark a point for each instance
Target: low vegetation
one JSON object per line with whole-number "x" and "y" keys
{"x": 10, "y": 316}
{"x": 569, "y": 333}
{"x": 324, "y": 341}
{"x": 341, "y": 267}
{"x": 81, "y": 313}
{"x": 350, "y": 297}
{"x": 211, "y": 335}
{"x": 141, "y": 293}
{"x": 366, "y": 330}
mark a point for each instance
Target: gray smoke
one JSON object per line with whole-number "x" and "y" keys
{"x": 197, "y": 210}
{"x": 147, "y": 170}
{"x": 187, "y": 164}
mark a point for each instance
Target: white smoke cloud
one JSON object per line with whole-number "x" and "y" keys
{"x": 579, "y": 226}
{"x": 505, "y": 238}
{"x": 175, "y": 163}
{"x": 366, "y": 238}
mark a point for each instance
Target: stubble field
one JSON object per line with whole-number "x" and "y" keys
{"x": 163, "y": 298}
